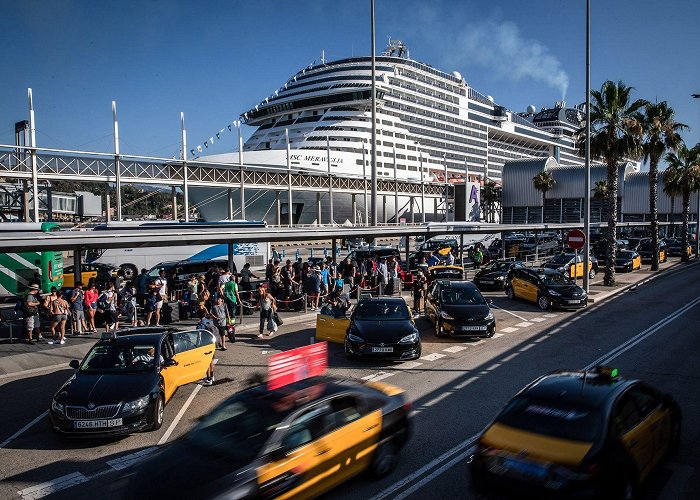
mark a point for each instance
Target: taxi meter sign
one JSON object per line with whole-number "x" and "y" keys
{"x": 576, "y": 239}
{"x": 297, "y": 364}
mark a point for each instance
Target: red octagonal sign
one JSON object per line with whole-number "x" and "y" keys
{"x": 576, "y": 239}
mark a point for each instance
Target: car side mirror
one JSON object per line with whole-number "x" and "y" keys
{"x": 169, "y": 362}
{"x": 489, "y": 301}
{"x": 75, "y": 364}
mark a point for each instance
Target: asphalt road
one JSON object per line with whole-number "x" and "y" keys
{"x": 456, "y": 388}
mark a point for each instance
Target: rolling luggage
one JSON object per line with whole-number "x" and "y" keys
{"x": 183, "y": 310}
{"x": 166, "y": 314}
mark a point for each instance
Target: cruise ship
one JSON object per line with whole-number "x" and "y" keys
{"x": 430, "y": 124}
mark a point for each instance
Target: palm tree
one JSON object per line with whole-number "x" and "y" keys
{"x": 682, "y": 177}
{"x": 489, "y": 198}
{"x": 661, "y": 134}
{"x": 615, "y": 135}
{"x": 543, "y": 182}
{"x": 600, "y": 192}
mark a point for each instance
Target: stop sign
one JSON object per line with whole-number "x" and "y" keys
{"x": 576, "y": 239}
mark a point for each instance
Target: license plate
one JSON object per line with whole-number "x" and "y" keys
{"x": 487, "y": 282}
{"x": 525, "y": 468}
{"x": 573, "y": 301}
{"x": 382, "y": 349}
{"x": 97, "y": 424}
{"x": 472, "y": 328}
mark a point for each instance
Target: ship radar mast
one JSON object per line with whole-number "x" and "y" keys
{"x": 396, "y": 48}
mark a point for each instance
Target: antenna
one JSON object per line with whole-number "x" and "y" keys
{"x": 323, "y": 56}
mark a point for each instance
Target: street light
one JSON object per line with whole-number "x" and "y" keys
{"x": 587, "y": 161}
{"x": 697, "y": 221}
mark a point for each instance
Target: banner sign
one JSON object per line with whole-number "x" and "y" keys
{"x": 287, "y": 367}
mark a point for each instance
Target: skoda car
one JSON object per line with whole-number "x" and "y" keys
{"x": 457, "y": 309}
{"x": 545, "y": 287}
{"x": 124, "y": 382}
{"x": 571, "y": 265}
{"x": 493, "y": 275}
{"x": 296, "y": 441}
{"x": 645, "y": 251}
{"x": 578, "y": 433}
{"x": 627, "y": 260}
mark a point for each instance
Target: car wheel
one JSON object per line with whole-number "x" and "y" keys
{"x": 509, "y": 293}
{"x": 491, "y": 333}
{"x": 129, "y": 271}
{"x": 438, "y": 328}
{"x": 384, "y": 460}
{"x": 591, "y": 273}
{"x": 419, "y": 350}
{"x": 157, "y": 413}
{"x": 543, "y": 302}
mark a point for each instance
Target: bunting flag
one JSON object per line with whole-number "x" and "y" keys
{"x": 217, "y": 136}
{"x": 192, "y": 152}
{"x": 199, "y": 149}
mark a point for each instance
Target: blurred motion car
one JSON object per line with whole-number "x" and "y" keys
{"x": 578, "y": 433}
{"x": 493, "y": 275}
{"x": 457, "y": 309}
{"x": 545, "y": 287}
{"x": 296, "y": 441}
{"x": 124, "y": 382}
{"x": 628, "y": 260}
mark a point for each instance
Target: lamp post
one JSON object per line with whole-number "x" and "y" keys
{"x": 374, "y": 127}
{"x": 237, "y": 123}
{"x": 587, "y": 194}
{"x": 697, "y": 220}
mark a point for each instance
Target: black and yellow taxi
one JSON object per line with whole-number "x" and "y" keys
{"x": 457, "y": 309}
{"x": 493, "y": 275}
{"x": 545, "y": 287}
{"x": 124, "y": 382}
{"x": 644, "y": 250}
{"x": 445, "y": 272}
{"x": 627, "y": 260}
{"x": 100, "y": 273}
{"x": 578, "y": 433}
{"x": 674, "y": 247}
{"x": 572, "y": 265}
{"x": 296, "y": 441}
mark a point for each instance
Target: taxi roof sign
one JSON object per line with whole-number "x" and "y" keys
{"x": 607, "y": 371}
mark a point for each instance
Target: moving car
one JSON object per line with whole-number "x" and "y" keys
{"x": 571, "y": 264}
{"x": 493, "y": 275}
{"x": 100, "y": 273}
{"x": 628, "y": 260}
{"x": 378, "y": 328}
{"x": 545, "y": 287}
{"x": 578, "y": 433}
{"x": 124, "y": 382}
{"x": 457, "y": 309}
{"x": 296, "y": 441}
{"x": 644, "y": 250}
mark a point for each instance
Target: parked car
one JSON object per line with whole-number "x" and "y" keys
{"x": 674, "y": 247}
{"x": 543, "y": 245}
{"x": 571, "y": 264}
{"x": 493, "y": 275}
{"x": 545, "y": 287}
{"x": 600, "y": 247}
{"x": 457, "y": 309}
{"x": 100, "y": 273}
{"x": 628, "y": 260}
{"x": 644, "y": 250}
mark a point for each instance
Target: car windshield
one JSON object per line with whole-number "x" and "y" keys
{"x": 371, "y": 310}
{"x": 238, "y": 429}
{"x": 111, "y": 357}
{"x": 461, "y": 297}
{"x": 562, "y": 258}
{"x": 553, "y": 418}
{"x": 554, "y": 279}
{"x": 626, "y": 254}
{"x": 497, "y": 266}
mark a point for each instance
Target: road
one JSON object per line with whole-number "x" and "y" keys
{"x": 456, "y": 388}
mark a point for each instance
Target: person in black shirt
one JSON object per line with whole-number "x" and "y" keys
{"x": 419, "y": 286}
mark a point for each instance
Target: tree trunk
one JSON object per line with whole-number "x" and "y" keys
{"x": 654, "y": 212}
{"x": 685, "y": 257}
{"x": 544, "y": 198}
{"x": 611, "y": 236}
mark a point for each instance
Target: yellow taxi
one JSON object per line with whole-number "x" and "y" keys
{"x": 578, "y": 433}
{"x": 295, "y": 441}
{"x": 572, "y": 265}
{"x": 628, "y": 260}
{"x": 101, "y": 273}
{"x": 545, "y": 287}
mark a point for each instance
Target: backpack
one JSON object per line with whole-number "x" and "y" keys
{"x": 102, "y": 304}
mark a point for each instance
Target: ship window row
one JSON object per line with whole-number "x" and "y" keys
{"x": 314, "y": 102}
{"x": 423, "y": 102}
{"x": 285, "y": 94}
{"x": 423, "y": 90}
{"x": 431, "y": 81}
{"x": 447, "y": 118}
{"x": 441, "y": 135}
{"x": 334, "y": 69}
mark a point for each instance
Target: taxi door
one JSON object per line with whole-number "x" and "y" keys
{"x": 331, "y": 329}
{"x": 517, "y": 284}
{"x": 577, "y": 268}
{"x": 530, "y": 288}
{"x": 637, "y": 262}
{"x": 294, "y": 468}
{"x": 192, "y": 356}
{"x": 634, "y": 433}
{"x": 170, "y": 374}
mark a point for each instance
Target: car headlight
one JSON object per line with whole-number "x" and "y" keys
{"x": 136, "y": 405}
{"x": 354, "y": 338}
{"x": 409, "y": 339}
{"x": 57, "y": 407}
{"x": 561, "y": 270}
{"x": 553, "y": 293}
{"x": 489, "y": 316}
{"x": 444, "y": 315}
{"x": 501, "y": 278}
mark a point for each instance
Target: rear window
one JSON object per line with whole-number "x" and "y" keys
{"x": 552, "y": 418}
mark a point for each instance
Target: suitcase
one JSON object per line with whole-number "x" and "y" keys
{"x": 298, "y": 303}
{"x": 166, "y": 314}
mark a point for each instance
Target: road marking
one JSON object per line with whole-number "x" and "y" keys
{"x": 19, "y": 432}
{"x": 130, "y": 459}
{"x": 538, "y": 320}
{"x": 433, "y": 357}
{"x": 455, "y": 348}
{"x": 49, "y": 487}
{"x": 375, "y": 377}
{"x": 409, "y": 365}
{"x": 495, "y": 336}
{"x": 550, "y": 315}
{"x": 524, "y": 324}
{"x": 508, "y": 312}
{"x": 461, "y": 455}
{"x": 509, "y": 329}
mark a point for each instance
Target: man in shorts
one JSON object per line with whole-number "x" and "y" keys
{"x": 77, "y": 297}
{"x": 30, "y": 309}
{"x": 160, "y": 284}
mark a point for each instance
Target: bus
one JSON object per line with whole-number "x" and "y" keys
{"x": 132, "y": 260}
{"x": 18, "y": 270}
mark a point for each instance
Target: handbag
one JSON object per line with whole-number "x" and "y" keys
{"x": 276, "y": 318}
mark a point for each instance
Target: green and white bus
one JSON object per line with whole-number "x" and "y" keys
{"x": 18, "y": 270}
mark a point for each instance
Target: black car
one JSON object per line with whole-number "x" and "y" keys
{"x": 600, "y": 247}
{"x": 124, "y": 381}
{"x": 457, "y": 309}
{"x": 513, "y": 247}
{"x": 627, "y": 260}
{"x": 543, "y": 246}
{"x": 382, "y": 327}
{"x": 296, "y": 441}
{"x": 675, "y": 247}
{"x": 644, "y": 250}
{"x": 545, "y": 287}
{"x": 493, "y": 275}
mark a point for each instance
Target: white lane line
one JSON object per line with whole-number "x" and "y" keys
{"x": 495, "y": 336}
{"x": 433, "y": 357}
{"x": 509, "y": 329}
{"x": 508, "y": 312}
{"x": 524, "y": 324}
{"x": 455, "y": 348}
{"x": 49, "y": 487}
{"x": 409, "y": 365}
{"x": 474, "y": 343}
{"x": 538, "y": 320}
{"x": 550, "y": 315}
{"x": 181, "y": 413}
{"x": 130, "y": 459}
{"x": 625, "y": 346}
{"x": 375, "y": 377}
{"x": 19, "y": 432}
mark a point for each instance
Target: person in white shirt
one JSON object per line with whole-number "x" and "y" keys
{"x": 161, "y": 284}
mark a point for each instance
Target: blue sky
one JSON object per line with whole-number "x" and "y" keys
{"x": 213, "y": 60}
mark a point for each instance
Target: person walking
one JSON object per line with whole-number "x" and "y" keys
{"x": 231, "y": 296}
{"x": 382, "y": 274}
{"x": 30, "y": 310}
{"x": 206, "y": 323}
{"x": 268, "y": 305}
{"x": 129, "y": 297}
{"x": 419, "y": 286}
{"x": 478, "y": 257}
{"x": 142, "y": 287}
{"x": 221, "y": 317}
{"x": 152, "y": 300}
{"x": 192, "y": 291}
{"x": 59, "y": 315}
{"x": 314, "y": 284}
{"x": 245, "y": 278}
{"x": 90, "y": 303}
{"x": 161, "y": 286}
{"x": 109, "y": 297}
{"x": 77, "y": 300}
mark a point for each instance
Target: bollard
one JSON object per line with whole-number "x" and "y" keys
{"x": 284, "y": 253}
{"x": 381, "y": 288}
{"x": 240, "y": 312}
{"x": 306, "y": 303}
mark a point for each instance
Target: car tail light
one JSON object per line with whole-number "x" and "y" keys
{"x": 407, "y": 406}
{"x": 484, "y": 450}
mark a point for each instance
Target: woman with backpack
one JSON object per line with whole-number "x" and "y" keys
{"x": 59, "y": 315}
